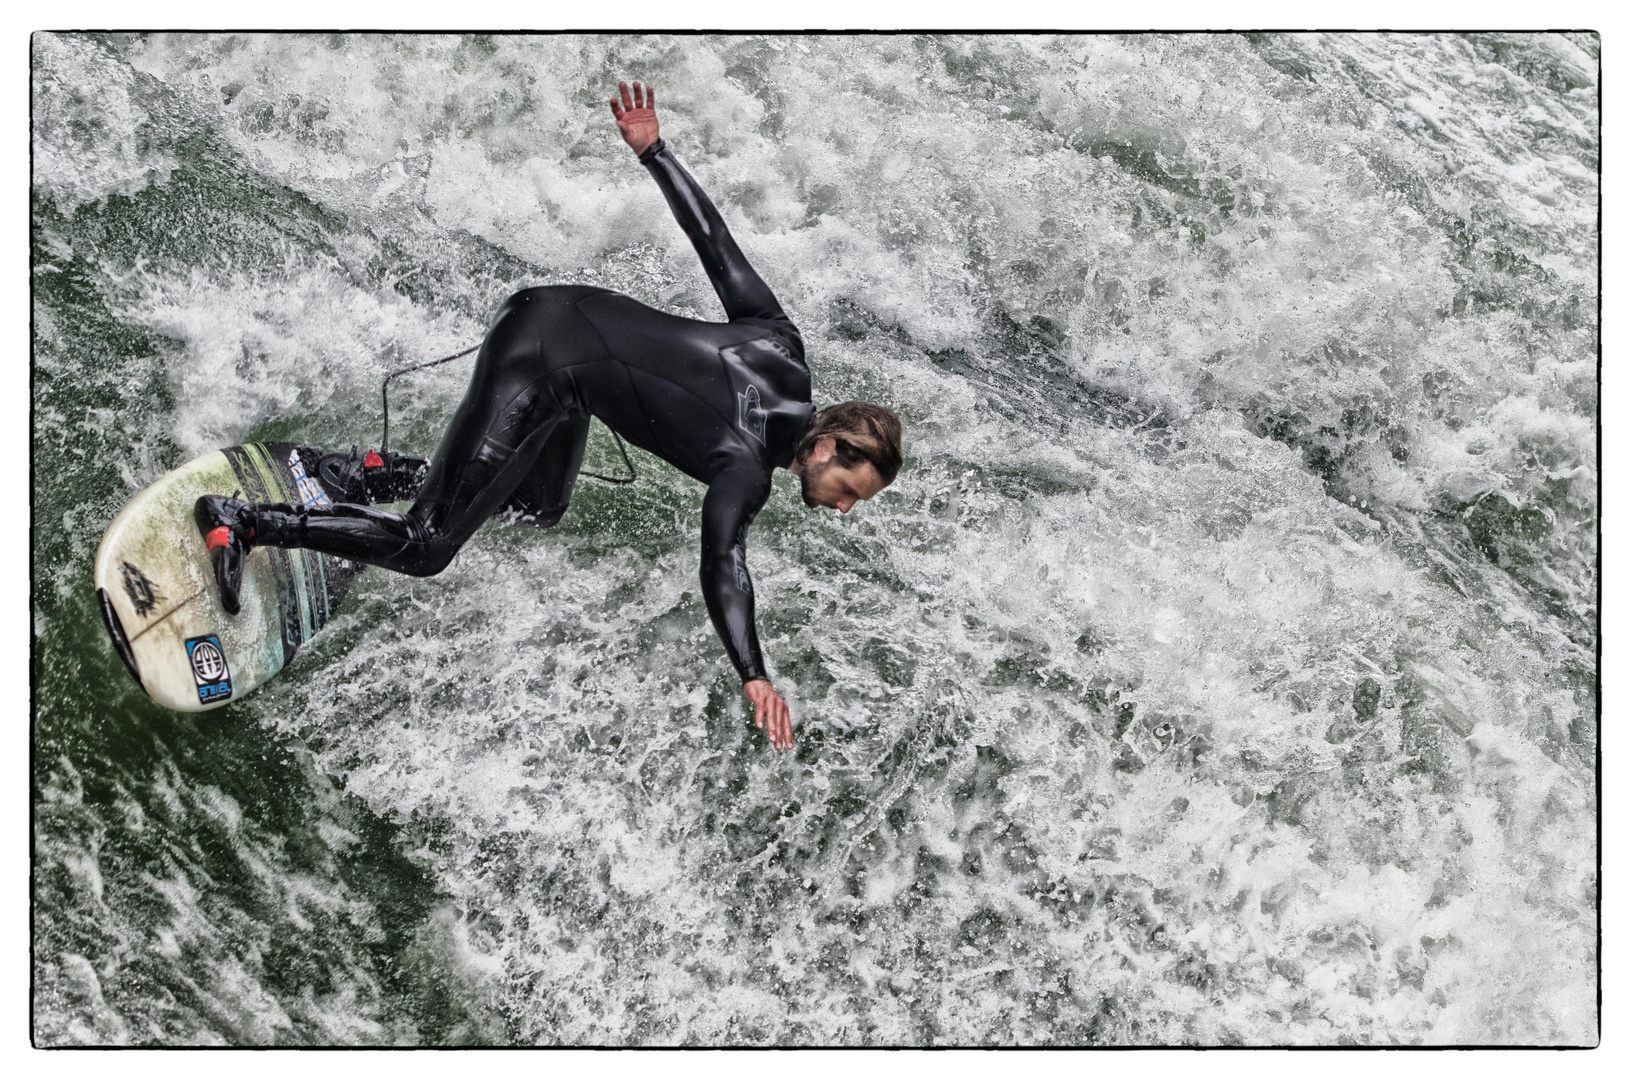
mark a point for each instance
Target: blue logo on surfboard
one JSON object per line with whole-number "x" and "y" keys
{"x": 209, "y": 665}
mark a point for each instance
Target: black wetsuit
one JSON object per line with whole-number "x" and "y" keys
{"x": 724, "y": 403}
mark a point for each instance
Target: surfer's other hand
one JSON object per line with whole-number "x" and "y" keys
{"x": 636, "y": 116}
{"x": 770, "y": 713}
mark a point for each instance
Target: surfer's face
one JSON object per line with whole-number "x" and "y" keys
{"x": 824, "y": 482}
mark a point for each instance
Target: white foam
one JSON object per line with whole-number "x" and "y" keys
{"x": 92, "y": 131}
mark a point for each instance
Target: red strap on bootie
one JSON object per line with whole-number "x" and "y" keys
{"x": 372, "y": 460}
{"x": 220, "y": 536}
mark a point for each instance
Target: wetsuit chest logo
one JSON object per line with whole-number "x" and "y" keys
{"x": 749, "y": 416}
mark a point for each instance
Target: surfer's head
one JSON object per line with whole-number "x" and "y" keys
{"x": 850, "y": 453}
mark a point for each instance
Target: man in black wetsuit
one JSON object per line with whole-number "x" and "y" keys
{"x": 725, "y": 403}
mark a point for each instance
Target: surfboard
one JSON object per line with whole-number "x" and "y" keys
{"x": 158, "y": 593}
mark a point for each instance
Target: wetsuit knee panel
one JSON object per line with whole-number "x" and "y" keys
{"x": 428, "y": 563}
{"x": 547, "y": 519}
{"x": 426, "y": 556}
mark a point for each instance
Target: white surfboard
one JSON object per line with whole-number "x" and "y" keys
{"x": 158, "y": 592}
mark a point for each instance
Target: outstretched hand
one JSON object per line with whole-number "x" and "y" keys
{"x": 770, "y": 713}
{"x": 636, "y": 116}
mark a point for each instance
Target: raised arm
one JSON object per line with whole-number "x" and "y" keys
{"x": 727, "y": 511}
{"x": 740, "y": 288}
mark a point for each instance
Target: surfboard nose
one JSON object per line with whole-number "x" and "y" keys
{"x": 116, "y": 631}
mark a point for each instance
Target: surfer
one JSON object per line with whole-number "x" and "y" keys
{"x": 725, "y": 403}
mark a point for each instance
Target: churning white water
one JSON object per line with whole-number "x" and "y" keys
{"x": 1221, "y": 668}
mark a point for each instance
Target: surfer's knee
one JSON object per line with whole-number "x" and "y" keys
{"x": 544, "y": 519}
{"x": 428, "y": 560}
{"x": 531, "y": 294}
{"x": 536, "y": 296}
{"x": 428, "y": 550}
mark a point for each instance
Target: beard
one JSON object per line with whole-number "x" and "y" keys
{"x": 812, "y": 472}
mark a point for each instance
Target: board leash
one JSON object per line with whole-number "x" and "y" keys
{"x": 385, "y": 409}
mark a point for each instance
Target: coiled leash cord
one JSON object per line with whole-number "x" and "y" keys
{"x": 385, "y": 408}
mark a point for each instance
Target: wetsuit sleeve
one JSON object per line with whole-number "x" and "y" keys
{"x": 740, "y": 288}
{"x": 728, "y": 509}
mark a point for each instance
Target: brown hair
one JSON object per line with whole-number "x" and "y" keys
{"x": 862, "y": 432}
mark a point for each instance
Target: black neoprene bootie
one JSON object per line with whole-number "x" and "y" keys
{"x": 228, "y": 529}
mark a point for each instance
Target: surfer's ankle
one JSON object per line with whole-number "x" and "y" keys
{"x": 280, "y": 524}
{"x": 229, "y": 531}
{"x": 225, "y": 520}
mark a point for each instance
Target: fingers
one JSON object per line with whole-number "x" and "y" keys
{"x": 780, "y": 731}
{"x": 771, "y": 715}
{"x": 644, "y": 97}
{"x": 786, "y": 725}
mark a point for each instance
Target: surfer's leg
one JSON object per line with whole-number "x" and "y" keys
{"x": 424, "y": 540}
{"x": 359, "y": 533}
{"x": 508, "y": 422}
{"x": 493, "y": 441}
{"x": 542, "y": 497}
{"x": 547, "y": 461}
